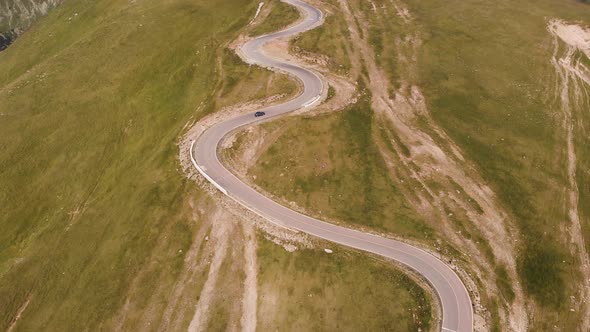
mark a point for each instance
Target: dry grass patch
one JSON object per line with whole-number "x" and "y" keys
{"x": 310, "y": 290}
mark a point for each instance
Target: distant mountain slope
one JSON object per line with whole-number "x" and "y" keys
{"x": 17, "y": 15}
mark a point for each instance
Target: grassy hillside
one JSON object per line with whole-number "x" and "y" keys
{"x": 486, "y": 77}
{"x": 488, "y": 83}
{"x": 89, "y": 181}
{"x": 343, "y": 178}
{"x": 279, "y": 15}
{"x": 100, "y": 228}
{"x": 310, "y": 290}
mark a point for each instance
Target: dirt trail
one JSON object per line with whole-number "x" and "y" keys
{"x": 19, "y": 314}
{"x": 257, "y": 12}
{"x": 434, "y": 161}
{"x": 573, "y": 88}
{"x": 174, "y": 311}
{"x": 220, "y": 236}
{"x": 250, "y": 298}
{"x": 137, "y": 314}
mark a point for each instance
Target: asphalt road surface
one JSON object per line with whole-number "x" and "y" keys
{"x": 457, "y": 312}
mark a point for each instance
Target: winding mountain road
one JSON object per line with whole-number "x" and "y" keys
{"x": 457, "y": 312}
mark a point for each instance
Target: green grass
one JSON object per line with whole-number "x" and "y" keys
{"x": 95, "y": 211}
{"x": 485, "y": 72}
{"x": 281, "y": 15}
{"x": 309, "y": 290}
{"x": 336, "y": 171}
{"x": 485, "y": 76}
{"x": 504, "y": 284}
{"x": 328, "y": 40}
{"x": 91, "y": 112}
{"x": 384, "y": 35}
{"x": 331, "y": 92}
{"x": 243, "y": 83}
{"x": 484, "y": 69}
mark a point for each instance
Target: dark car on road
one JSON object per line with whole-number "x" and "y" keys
{"x": 257, "y": 114}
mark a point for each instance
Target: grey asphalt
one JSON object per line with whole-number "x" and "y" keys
{"x": 457, "y": 312}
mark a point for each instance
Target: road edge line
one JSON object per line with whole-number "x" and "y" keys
{"x": 202, "y": 172}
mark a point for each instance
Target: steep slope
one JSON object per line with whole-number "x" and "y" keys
{"x": 101, "y": 230}
{"x": 97, "y": 221}
{"x": 479, "y": 112}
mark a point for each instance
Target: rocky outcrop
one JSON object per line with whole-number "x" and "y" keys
{"x": 6, "y": 39}
{"x": 17, "y": 15}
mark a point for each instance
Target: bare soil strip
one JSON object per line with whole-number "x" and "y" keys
{"x": 174, "y": 312}
{"x": 434, "y": 161}
{"x": 573, "y": 84}
{"x": 19, "y": 314}
{"x": 250, "y": 298}
{"x": 219, "y": 235}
